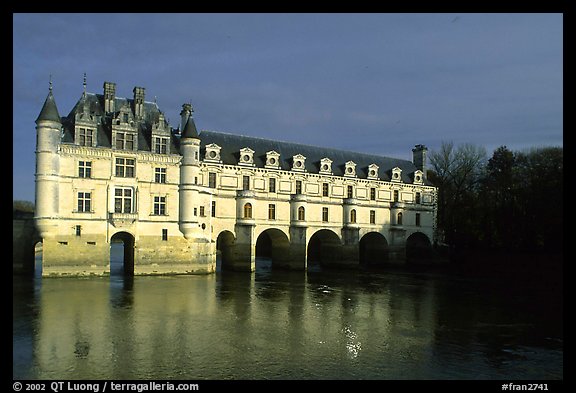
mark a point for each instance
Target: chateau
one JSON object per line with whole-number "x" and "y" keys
{"x": 114, "y": 170}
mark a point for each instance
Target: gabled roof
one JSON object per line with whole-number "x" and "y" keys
{"x": 231, "y": 145}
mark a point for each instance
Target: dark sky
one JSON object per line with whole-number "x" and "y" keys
{"x": 373, "y": 83}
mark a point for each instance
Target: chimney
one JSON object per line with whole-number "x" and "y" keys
{"x": 138, "y": 102}
{"x": 109, "y": 97}
{"x": 185, "y": 114}
{"x": 419, "y": 158}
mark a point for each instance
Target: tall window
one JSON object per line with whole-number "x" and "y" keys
{"x": 399, "y": 219}
{"x": 160, "y": 175}
{"x": 372, "y": 216}
{"x": 212, "y": 179}
{"x": 84, "y": 202}
{"x": 372, "y": 194}
{"x": 124, "y": 141}
{"x": 159, "y": 205}
{"x": 160, "y": 145}
{"x": 271, "y": 212}
{"x": 123, "y": 198}
{"x": 248, "y": 210}
{"x": 353, "y": 216}
{"x": 298, "y": 186}
{"x": 418, "y": 198}
{"x": 417, "y": 219}
{"x": 202, "y": 211}
{"x": 85, "y": 169}
{"x": 324, "y": 189}
{"x": 350, "y": 192}
{"x": 272, "y": 185}
{"x": 125, "y": 167}
{"x": 325, "y": 214}
{"x": 85, "y": 137}
{"x": 165, "y": 234}
{"x": 395, "y": 195}
{"x": 213, "y": 211}
{"x": 78, "y": 230}
{"x": 246, "y": 183}
{"x": 301, "y": 213}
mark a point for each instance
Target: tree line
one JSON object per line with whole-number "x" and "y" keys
{"x": 512, "y": 201}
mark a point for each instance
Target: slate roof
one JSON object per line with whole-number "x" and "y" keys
{"x": 231, "y": 145}
{"x": 49, "y": 110}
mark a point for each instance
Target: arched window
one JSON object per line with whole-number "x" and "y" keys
{"x": 248, "y": 210}
{"x": 353, "y": 216}
{"x": 301, "y": 213}
{"x": 399, "y": 219}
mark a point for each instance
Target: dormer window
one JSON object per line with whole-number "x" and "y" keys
{"x": 326, "y": 166}
{"x": 396, "y": 174}
{"x": 85, "y": 136}
{"x": 373, "y": 171}
{"x": 212, "y": 153}
{"x": 272, "y": 160}
{"x": 161, "y": 145}
{"x": 246, "y": 157}
{"x": 418, "y": 177}
{"x": 350, "y": 169}
{"x": 298, "y": 163}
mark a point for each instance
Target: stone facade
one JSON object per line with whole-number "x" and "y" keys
{"x": 114, "y": 170}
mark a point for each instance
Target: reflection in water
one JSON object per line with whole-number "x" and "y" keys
{"x": 273, "y": 324}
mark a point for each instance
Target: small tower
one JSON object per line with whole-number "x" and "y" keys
{"x": 419, "y": 158}
{"x": 48, "y": 129}
{"x": 189, "y": 173}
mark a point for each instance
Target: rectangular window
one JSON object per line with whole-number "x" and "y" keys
{"x": 325, "y": 189}
{"x": 85, "y": 137}
{"x": 125, "y": 167}
{"x": 85, "y": 169}
{"x": 372, "y": 194}
{"x": 271, "y": 212}
{"x": 202, "y": 211}
{"x": 418, "y": 198}
{"x": 160, "y": 145}
{"x": 165, "y": 234}
{"x": 84, "y": 202}
{"x": 298, "y": 186}
{"x": 372, "y": 216}
{"x": 123, "y": 200}
{"x": 246, "y": 183}
{"x": 417, "y": 219}
{"x": 124, "y": 141}
{"x": 195, "y": 211}
{"x": 160, "y": 175}
{"x": 212, "y": 179}
{"x": 213, "y": 209}
{"x": 325, "y": 214}
{"x": 159, "y": 205}
{"x": 395, "y": 195}
{"x": 350, "y": 192}
{"x": 78, "y": 230}
{"x": 272, "y": 185}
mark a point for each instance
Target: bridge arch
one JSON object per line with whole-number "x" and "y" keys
{"x": 272, "y": 244}
{"x": 224, "y": 245}
{"x": 373, "y": 249}
{"x": 128, "y": 242}
{"x": 324, "y": 247}
{"x": 418, "y": 247}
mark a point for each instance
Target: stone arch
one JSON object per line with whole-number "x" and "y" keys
{"x": 373, "y": 249}
{"x": 273, "y": 244}
{"x": 224, "y": 245}
{"x": 418, "y": 247}
{"x": 324, "y": 247}
{"x": 129, "y": 242}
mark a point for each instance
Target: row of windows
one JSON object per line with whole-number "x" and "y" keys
{"x": 125, "y": 168}
{"x": 302, "y": 214}
{"x": 122, "y": 140}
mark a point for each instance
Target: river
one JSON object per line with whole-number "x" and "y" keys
{"x": 385, "y": 324}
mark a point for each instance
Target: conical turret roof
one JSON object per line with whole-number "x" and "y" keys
{"x": 190, "y": 129}
{"x": 49, "y": 110}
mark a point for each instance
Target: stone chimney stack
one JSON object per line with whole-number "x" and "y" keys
{"x": 139, "y": 102}
{"x": 185, "y": 114}
{"x": 109, "y": 96}
{"x": 419, "y": 158}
